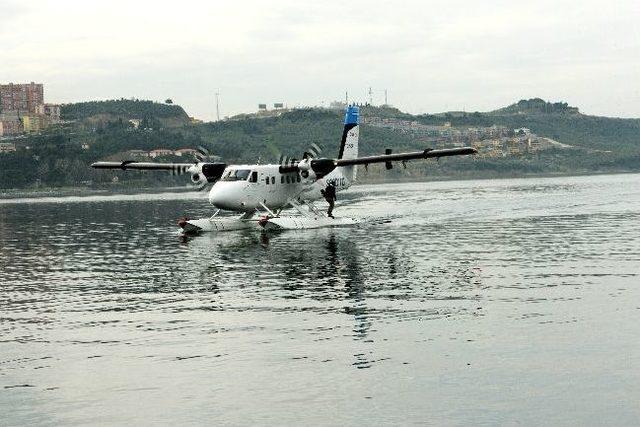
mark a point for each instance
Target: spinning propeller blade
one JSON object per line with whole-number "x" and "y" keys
{"x": 290, "y": 164}
{"x": 313, "y": 151}
{"x": 201, "y": 185}
{"x": 178, "y": 169}
{"x": 201, "y": 154}
{"x": 201, "y": 179}
{"x": 286, "y": 161}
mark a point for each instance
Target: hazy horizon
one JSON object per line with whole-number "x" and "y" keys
{"x": 431, "y": 56}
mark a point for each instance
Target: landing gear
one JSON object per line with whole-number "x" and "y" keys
{"x": 311, "y": 217}
{"x": 216, "y": 223}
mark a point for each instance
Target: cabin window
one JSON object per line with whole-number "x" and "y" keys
{"x": 281, "y": 179}
{"x": 273, "y": 179}
{"x": 298, "y": 178}
{"x": 253, "y": 177}
{"x": 266, "y": 180}
{"x": 243, "y": 174}
{"x": 288, "y": 180}
{"x": 237, "y": 175}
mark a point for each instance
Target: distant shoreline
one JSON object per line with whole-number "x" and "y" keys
{"x": 437, "y": 178}
{"x": 84, "y": 191}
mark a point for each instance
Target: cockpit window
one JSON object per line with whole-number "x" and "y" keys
{"x": 237, "y": 175}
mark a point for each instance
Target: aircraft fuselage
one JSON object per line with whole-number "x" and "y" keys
{"x": 243, "y": 188}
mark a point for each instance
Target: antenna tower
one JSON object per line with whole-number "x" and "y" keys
{"x": 218, "y": 106}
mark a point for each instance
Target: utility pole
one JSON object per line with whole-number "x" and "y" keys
{"x": 346, "y": 97}
{"x": 218, "y": 106}
{"x": 385, "y": 98}
{"x": 370, "y": 96}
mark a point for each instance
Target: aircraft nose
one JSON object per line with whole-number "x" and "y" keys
{"x": 216, "y": 196}
{"x": 221, "y": 197}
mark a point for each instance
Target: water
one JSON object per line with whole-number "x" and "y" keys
{"x": 475, "y": 302}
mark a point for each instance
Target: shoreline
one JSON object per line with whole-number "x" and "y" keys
{"x": 438, "y": 178}
{"x": 84, "y": 191}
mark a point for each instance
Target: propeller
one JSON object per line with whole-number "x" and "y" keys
{"x": 177, "y": 170}
{"x": 201, "y": 154}
{"x": 311, "y": 166}
{"x": 198, "y": 178}
{"x": 286, "y": 161}
{"x": 291, "y": 164}
{"x": 313, "y": 151}
{"x": 202, "y": 172}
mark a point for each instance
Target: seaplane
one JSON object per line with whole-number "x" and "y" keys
{"x": 280, "y": 196}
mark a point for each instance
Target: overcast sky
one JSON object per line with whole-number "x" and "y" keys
{"x": 430, "y": 55}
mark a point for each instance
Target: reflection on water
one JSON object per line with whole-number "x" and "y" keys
{"x": 453, "y": 302}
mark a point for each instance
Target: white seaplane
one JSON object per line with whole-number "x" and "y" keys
{"x": 262, "y": 192}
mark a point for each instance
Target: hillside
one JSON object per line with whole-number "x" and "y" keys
{"x": 562, "y": 123}
{"x": 62, "y": 155}
{"x": 101, "y": 112}
{"x": 536, "y": 106}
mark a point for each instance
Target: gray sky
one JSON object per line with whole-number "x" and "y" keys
{"x": 430, "y": 55}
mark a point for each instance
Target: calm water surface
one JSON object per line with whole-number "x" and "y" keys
{"x": 486, "y": 302}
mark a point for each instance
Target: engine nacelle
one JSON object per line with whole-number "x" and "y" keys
{"x": 206, "y": 172}
{"x": 306, "y": 171}
{"x": 322, "y": 167}
{"x": 310, "y": 169}
{"x": 213, "y": 171}
{"x": 197, "y": 178}
{"x": 195, "y": 171}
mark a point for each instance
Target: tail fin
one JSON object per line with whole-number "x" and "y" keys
{"x": 349, "y": 142}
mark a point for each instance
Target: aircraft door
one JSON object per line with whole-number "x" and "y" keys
{"x": 267, "y": 185}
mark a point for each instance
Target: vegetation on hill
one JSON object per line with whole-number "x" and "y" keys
{"x": 621, "y": 136}
{"x": 61, "y": 156}
{"x": 537, "y": 105}
{"x": 124, "y": 109}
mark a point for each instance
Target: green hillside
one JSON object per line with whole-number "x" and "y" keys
{"x": 101, "y": 131}
{"x": 124, "y": 109}
{"x": 605, "y": 144}
{"x": 536, "y": 106}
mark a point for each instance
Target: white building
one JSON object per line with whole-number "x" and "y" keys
{"x": 185, "y": 151}
{"x": 159, "y": 152}
{"x": 522, "y": 131}
{"x": 50, "y": 111}
{"x": 7, "y": 147}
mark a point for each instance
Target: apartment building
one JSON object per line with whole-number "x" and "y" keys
{"x": 22, "y": 98}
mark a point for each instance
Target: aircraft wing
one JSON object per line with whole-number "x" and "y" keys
{"x": 401, "y": 157}
{"x": 201, "y": 173}
{"x": 130, "y": 164}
